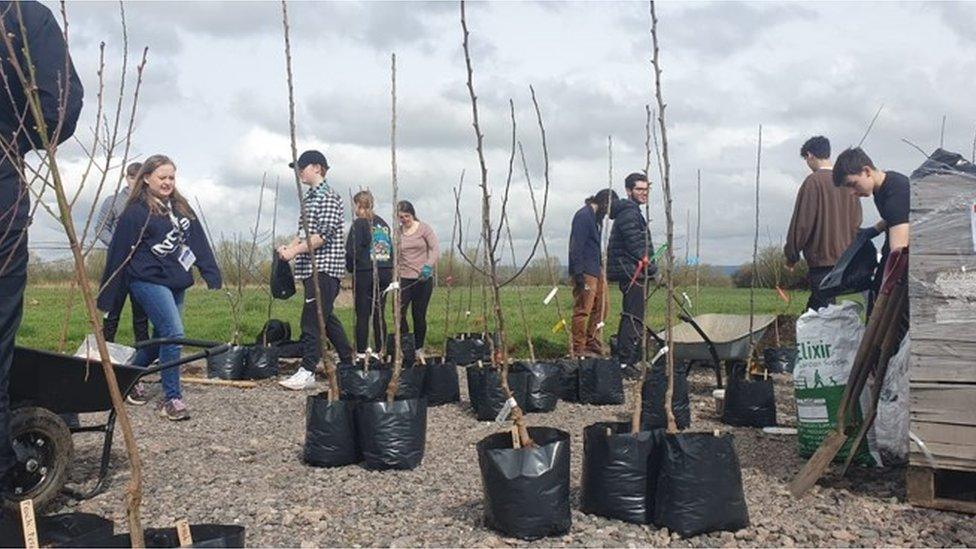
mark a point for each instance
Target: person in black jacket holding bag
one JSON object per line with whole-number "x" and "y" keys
{"x": 369, "y": 245}
{"x": 628, "y": 262}
{"x": 157, "y": 240}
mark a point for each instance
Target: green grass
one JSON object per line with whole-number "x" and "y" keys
{"x": 207, "y": 315}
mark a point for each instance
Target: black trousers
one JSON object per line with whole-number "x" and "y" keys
{"x": 415, "y": 293}
{"x": 13, "y": 279}
{"x": 369, "y": 307}
{"x": 631, "y": 328}
{"x": 329, "y": 286}
{"x": 818, "y": 299}
{"x": 140, "y": 320}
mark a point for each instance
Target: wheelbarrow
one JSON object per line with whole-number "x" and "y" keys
{"x": 44, "y": 385}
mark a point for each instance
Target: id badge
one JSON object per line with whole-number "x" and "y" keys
{"x": 187, "y": 259}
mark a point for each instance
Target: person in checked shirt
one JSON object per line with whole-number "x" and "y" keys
{"x": 324, "y": 209}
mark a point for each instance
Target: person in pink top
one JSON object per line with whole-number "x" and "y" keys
{"x": 418, "y": 255}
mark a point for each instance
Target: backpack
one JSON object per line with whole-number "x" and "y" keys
{"x": 274, "y": 331}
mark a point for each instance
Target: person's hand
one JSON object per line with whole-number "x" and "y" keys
{"x": 790, "y": 267}
{"x": 869, "y": 232}
{"x": 284, "y": 252}
{"x": 426, "y": 272}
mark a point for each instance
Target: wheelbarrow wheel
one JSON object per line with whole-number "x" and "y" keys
{"x": 43, "y": 446}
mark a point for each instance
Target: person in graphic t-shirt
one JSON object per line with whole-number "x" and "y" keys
{"x": 855, "y": 171}
{"x": 369, "y": 246}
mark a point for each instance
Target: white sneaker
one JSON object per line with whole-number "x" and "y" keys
{"x": 299, "y": 381}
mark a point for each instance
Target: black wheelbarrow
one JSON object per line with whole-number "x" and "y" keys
{"x": 44, "y": 386}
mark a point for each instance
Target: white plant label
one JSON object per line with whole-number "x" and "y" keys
{"x": 972, "y": 223}
{"x": 506, "y": 409}
{"x": 600, "y": 325}
{"x": 552, "y": 294}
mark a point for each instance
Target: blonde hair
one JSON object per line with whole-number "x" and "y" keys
{"x": 364, "y": 202}
{"x": 142, "y": 194}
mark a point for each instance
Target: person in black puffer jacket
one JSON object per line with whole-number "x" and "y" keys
{"x": 628, "y": 257}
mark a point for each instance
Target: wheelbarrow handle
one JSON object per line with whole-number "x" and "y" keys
{"x": 219, "y": 348}
{"x": 177, "y": 341}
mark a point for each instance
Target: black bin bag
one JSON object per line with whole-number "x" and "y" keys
{"x": 392, "y": 435}
{"x": 330, "y": 432}
{"x": 748, "y": 402}
{"x": 486, "y": 394}
{"x": 780, "y": 360}
{"x": 699, "y": 489}
{"x": 61, "y": 530}
{"x": 526, "y": 490}
{"x": 620, "y": 472}
{"x": 569, "y": 379}
{"x": 441, "y": 385}
{"x": 601, "y": 381}
{"x": 262, "y": 362}
{"x": 544, "y": 382}
{"x": 654, "y": 390}
{"x": 230, "y": 364}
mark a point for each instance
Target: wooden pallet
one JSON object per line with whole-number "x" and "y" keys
{"x": 945, "y": 489}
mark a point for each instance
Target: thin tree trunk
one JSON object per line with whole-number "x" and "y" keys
{"x": 391, "y": 389}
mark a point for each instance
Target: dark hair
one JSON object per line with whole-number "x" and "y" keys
{"x": 850, "y": 162}
{"x": 601, "y": 201}
{"x": 405, "y": 206}
{"x": 132, "y": 169}
{"x": 818, "y": 146}
{"x": 632, "y": 180}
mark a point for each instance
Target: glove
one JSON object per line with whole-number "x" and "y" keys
{"x": 869, "y": 232}
{"x": 426, "y": 272}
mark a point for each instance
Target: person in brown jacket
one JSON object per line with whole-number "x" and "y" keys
{"x": 824, "y": 221}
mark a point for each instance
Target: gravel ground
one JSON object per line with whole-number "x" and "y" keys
{"x": 238, "y": 460}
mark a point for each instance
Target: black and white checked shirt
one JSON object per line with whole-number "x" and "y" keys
{"x": 324, "y": 207}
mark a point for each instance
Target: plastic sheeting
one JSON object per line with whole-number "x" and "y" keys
{"x": 653, "y": 392}
{"x": 330, "y": 432}
{"x": 699, "y": 489}
{"x": 392, "y": 435}
{"x": 441, "y": 385}
{"x": 600, "y": 381}
{"x": 543, "y": 385}
{"x": 527, "y": 489}
{"x": 620, "y": 471}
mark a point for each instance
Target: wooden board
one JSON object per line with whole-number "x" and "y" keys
{"x": 942, "y": 360}
{"x": 944, "y": 403}
{"x": 952, "y": 446}
{"x": 941, "y": 489}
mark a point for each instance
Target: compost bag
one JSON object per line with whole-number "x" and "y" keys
{"x": 780, "y": 360}
{"x": 544, "y": 381}
{"x": 261, "y": 362}
{"x": 61, "y": 530}
{"x": 699, "y": 489}
{"x": 392, "y": 435}
{"x": 204, "y": 535}
{"x": 229, "y": 364}
{"x": 653, "y": 393}
{"x": 569, "y": 379}
{"x": 408, "y": 348}
{"x": 468, "y": 348}
{"x": 441, "y": 385}
{"x": 601, "y": 381}
{"x": 486, "y": 394}
{"x": 330, "y": 432}
{"x": 526, "y": 490}
{"x": 620, "y": 472}
{"x": 748, "y": 402}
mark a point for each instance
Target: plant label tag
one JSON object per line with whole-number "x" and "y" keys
{"x": 600, "y": 325}
{"x": 506, "y": 409}
{"x": 187, "y": 258}
{"x": 183, "y": 533}
{"x": 552, "y": 294}
{"x": 972, "y": 223}
{"x": 28, "y": 522}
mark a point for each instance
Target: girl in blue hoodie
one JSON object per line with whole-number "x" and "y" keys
{"x": 158, "y": 240}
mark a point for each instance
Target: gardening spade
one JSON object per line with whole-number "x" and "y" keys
{"x": 887, "y": 315}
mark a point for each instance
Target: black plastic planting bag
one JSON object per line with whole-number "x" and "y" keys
{"x": 412, "y": 380}
{"x": 407, "y": 347}
{"x": 544, "y": 383}
{"x": 699, "y": 489}
{"x": 653, "y": 393}
{"x": 330, "y": 432}
{"x": 468, "y": 348}
{"x": 230, "y": 364}
{"x": 359, "y": 382}
{"x": 569, "y": 379}
{"x": 441, "y": 385}
{"x": 392, "y": 436}
{"x": 261, "y": 362}
{"x": 780, "y": 360}
{"x": 282, "y": 280}
{"x": 485, "y": 390}
{"x": 204, "y": 535}
{"x": 749, "y": 402}
{"x": 61, "y": 530}
{"x": 620, "y": 472}
{"x": 601, "y": 381}
{"x": 526, "y": 490}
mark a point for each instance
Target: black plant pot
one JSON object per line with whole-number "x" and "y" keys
{"x": 700, "y": 486}
{"x": 262, "y": 362}
{"x": 407, "y": 347}
{"x": 61, "y": 530}
{"x": 526, "y": 490}
{"x": 749, "y": 402}
{"x": 204, "y": 535}
{"x": 601, "y": 381}
{"x": 229, "y": 364}
{"x": 468, "y": 348}
{"x": 569, "y": 379}
{"x": 544, "y": 383}
{"x": 485, "y": 390}
{"x": 620, "y": 472}
{"x": 779, "y": 360}
{"x": 330, "y": 432}
{"x": 652, "y": 397}
{"x": 392, "y": 435}
{"x": 441, "y": 385}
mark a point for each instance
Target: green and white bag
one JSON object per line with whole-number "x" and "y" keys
{"x": 827, "y": 342}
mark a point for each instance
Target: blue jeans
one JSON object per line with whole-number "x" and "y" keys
{"x": 164, "y": 307}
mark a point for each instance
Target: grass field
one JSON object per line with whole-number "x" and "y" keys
{"x": 207, "y": 314}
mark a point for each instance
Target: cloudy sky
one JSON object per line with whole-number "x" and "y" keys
{"x": 214, "y": 98}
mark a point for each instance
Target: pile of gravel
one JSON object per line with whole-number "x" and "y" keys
{"x": 238, "y": 461}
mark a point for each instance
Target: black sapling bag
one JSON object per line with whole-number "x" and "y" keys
{"x": 282, "y": 280}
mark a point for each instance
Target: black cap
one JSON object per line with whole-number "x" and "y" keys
{"x": 310, "y": 157}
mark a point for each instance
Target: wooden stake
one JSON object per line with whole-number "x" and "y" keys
{"x": 28, "y": 523}
{"x": 516, "y": 443}
{"x": 239, "y": 384}
{"x": 183, "y": 533}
